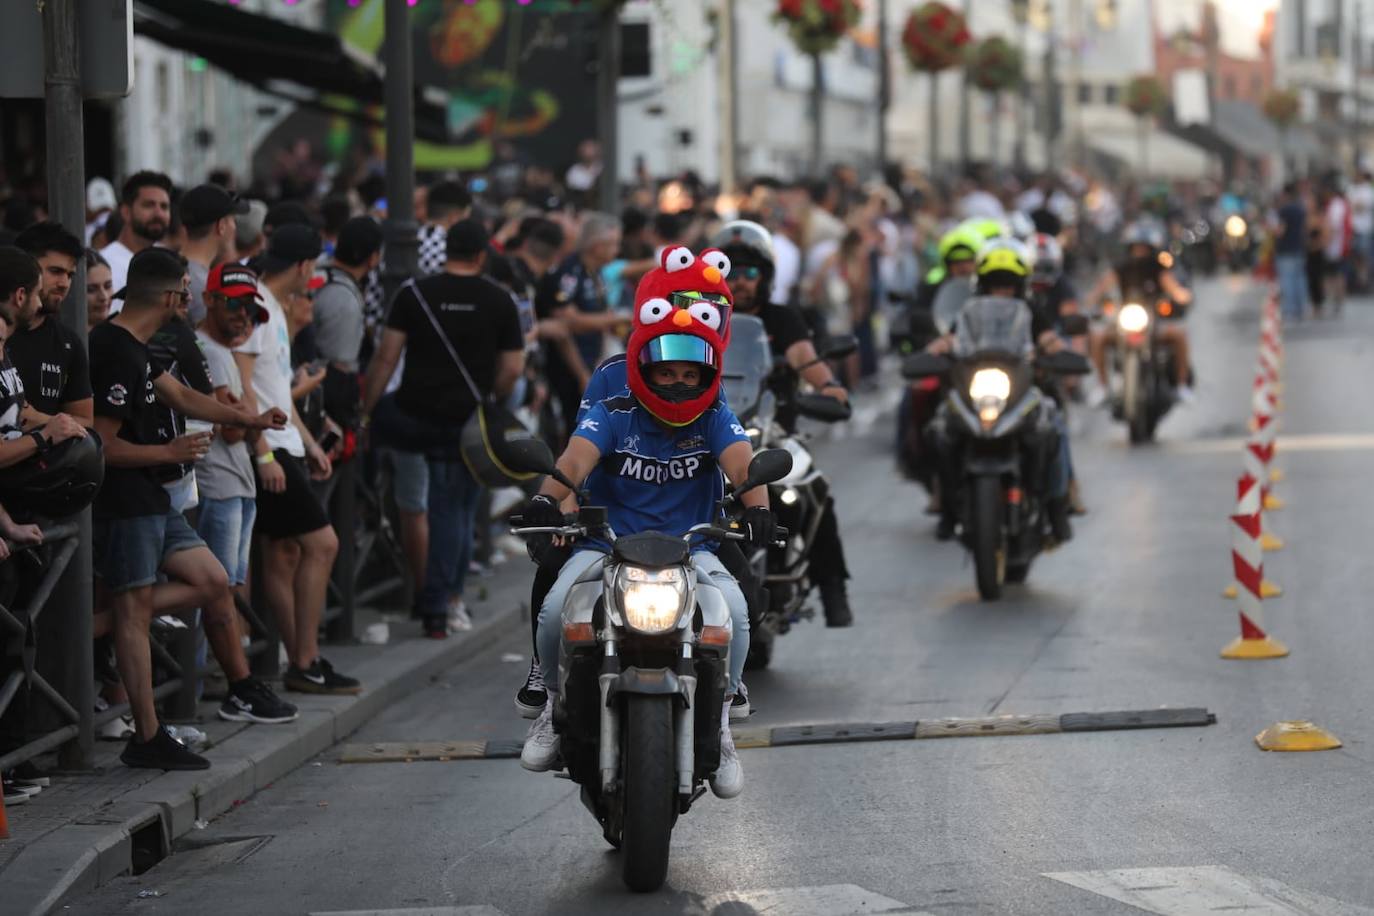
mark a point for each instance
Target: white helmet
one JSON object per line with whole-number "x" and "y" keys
{"x": 1047, "y": 259}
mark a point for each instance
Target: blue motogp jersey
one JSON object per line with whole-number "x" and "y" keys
{"x": 657, "y": 478}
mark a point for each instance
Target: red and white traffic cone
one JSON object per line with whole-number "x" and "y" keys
{"x": 1247, "y": 560}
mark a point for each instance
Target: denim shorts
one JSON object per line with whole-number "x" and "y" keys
{"x": 227, "y": 527}
{"x": 128, "y": 552}
{"x": 409, "y": 479}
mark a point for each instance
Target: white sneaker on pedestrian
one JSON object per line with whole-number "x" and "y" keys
{"x": 459, "y": 621}
{"x": 728, "y": 780}
{"x": 541, "y": 743}
{"x": 120, "y": 728}
{"x": 1185, "y": 395}
{"x": 1097, "y": 394}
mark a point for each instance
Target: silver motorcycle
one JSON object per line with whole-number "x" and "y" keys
{"x": 642, "y": 670}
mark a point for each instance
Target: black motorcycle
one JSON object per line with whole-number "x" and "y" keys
{"x": 1141, "y": 367}
{"x": 996, "y": 414}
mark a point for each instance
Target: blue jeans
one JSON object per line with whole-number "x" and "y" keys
{"x": 226, "y": 526}
{"x": 707, "y": 565}
{"x": 1292, "y": 271}
{"x": 453, "y": 496}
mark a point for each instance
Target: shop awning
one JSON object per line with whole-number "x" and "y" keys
{"x": 1113, "y": 132}
{"x": 310, "y": 67}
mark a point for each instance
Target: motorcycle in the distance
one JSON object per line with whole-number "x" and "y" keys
{"x": 642, "y": 670}
{"x": 1141, "y": 369}
{"x": 798, "y": 500}
{"x": 996, "y": 415}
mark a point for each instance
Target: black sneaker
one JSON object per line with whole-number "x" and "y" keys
{"x": 320, "y": 677}
{"x": 162, "y": 752}
{"x": 944, "y": 531}
{"x": 530, "y": 699}
{"x": 250, "y": 700}
{"x": 435, "y": 628}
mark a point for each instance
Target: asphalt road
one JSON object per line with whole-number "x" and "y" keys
{"x": 1127, "y": 616}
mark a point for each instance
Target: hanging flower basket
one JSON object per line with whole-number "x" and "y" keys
{"x": 1145, "y": 96}
{"x": 935, "y": 37}
{"x": 994, "y": 64}
{"x": 1281, "y": 106}
{"x": 816, "y": 26}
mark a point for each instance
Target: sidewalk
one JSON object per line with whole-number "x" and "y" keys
{"x": 87, "y": 828}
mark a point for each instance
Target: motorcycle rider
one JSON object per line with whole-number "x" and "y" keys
{"x": 1003, "y": 268}
{"x": 662, "y": 450}
{"x": 1143, "y": 272}
{"x": 1051, "y": 291}
{"x": 749, "y": 247}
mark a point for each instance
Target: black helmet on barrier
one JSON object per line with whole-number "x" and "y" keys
{"x": 57, "y": 483}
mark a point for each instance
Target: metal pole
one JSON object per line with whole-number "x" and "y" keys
{"x": 67, "y": 204}
{"x": 402, "y": 247}
{"x": 934, "y": 125}
{"x": 965, "y": 126}
{"x": 884, "y": 87}
{"x": 1357, "y": 62}
{"x": 1018, "y": 150}
{"x": 1075, "y": 105}
{"x": 607, "y": 104}
{"x": 729, "y": 115}
{"x": 817, "y": 106}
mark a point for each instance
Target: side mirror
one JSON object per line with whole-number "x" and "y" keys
{"x": 1073, "y": 325}
{"x": 926, "y": 365}
{"x": 1065, "y": 362}
{"x": 527, "y": 455}
{"x": 822, "y": 407}
{"x": 840, "y": 346}
{"x": 768, "y": 466}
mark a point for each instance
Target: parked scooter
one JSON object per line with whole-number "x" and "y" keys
{"x": 642, "y": 667}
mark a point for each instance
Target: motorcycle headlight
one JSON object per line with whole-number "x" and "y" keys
{"x": 1133, "y": 318}
{"x": 989, "y": 391}
{"x": 1235, "y": 226}
{"x": 652, "y": 600}
{"x": 788, "y": 496}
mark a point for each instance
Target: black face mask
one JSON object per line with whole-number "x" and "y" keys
{"x": 678, "y": 392}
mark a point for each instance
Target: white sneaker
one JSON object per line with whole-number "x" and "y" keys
{"x": 740, "y": 708}
{"x": 1098, "y": 395}
{"x": 120, "y": 728}
{"x": 728, "y": 781}
{"x": 459, "y": 621}
{"x": 541, "y": 744}
{"x": 1185, "y": 395}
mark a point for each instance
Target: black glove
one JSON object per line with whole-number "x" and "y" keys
{"x": 762, "y": 527}
{"x": 540, "y": 512}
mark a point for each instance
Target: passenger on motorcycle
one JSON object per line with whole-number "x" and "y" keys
{"x": 1143, "y": 273}
{"x": 662, "y": 450}
{"x": 750, "y": 250}
{"x": 1003, "y": 268}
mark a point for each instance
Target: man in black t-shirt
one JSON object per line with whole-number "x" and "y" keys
{"x": 137, "y": 534}
{"x": 49, "y": 356}
{"x": 479, "y": 321}
{"x": 749, "y": 247}
{"x": 176, "y": 351}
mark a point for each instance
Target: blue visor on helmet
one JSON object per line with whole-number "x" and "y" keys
{"x": 671, "y": 348}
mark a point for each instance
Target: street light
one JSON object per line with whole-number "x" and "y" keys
{"x": 1020, "y": 13}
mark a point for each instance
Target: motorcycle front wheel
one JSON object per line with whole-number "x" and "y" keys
{"x": 989, "y": 556}
{"x": 650, "y": 789}
{"x": 1135, "y": 397}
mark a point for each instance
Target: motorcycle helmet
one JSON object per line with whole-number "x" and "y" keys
{"x": 56, "y": 483}
{"x": 747, "y": 244}
{"x": 1143, "y": 232}
{"x": 1047, "y": 261}
{"x": 1003, "y": 263}
{"x": 1020, "y": 225}
{"x": 681, "y": 314}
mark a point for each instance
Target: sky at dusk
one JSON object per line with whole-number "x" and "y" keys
{"x": 1240, "y": 21}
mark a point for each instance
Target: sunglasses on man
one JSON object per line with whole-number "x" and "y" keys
{"x": 747, "y": 271}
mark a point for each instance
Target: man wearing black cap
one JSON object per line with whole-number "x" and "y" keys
{"x": 300, "y": 544}
{"x": 137, "y": 533}
{"x": 479, "y": 321}
{"x": 208, "y": 213}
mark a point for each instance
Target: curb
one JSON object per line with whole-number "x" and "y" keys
{"x": 143, "y": 824}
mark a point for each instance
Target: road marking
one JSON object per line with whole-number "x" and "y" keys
{"x": 1205, "y": 890}
{"x": 482, "y": 910}
{"x": 1327, "y": 442}
{"x": 828, "y": 900}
